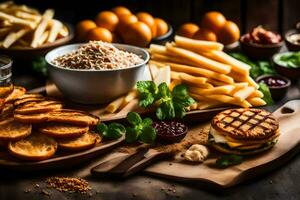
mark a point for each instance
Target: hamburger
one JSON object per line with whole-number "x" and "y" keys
{"x": 243, "y": 131}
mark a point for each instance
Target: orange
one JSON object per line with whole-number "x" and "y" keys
{"x": 161, "y": 27}
{"x": 205, "y": 34}
{"x": 100, "y": 33}
{"x": 120, "y": 10}
{"x": 188, "y": 30}
{"x": 124, "y": 20}
{"x": 138, "y": 34}
{"x": 83, "y": 27}
{"x": 107, "y": 19}
{"x": 229, "y": 34}
{"x": 148, "y": 20}
{"x": 213, "y": 21}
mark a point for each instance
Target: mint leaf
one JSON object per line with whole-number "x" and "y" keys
{"x": 134, "y": 118}
{"x": 148, "y": 135}
{"x": 131, "y": 135}
{"x": 147, "y": 92}
{"x": 228, "y": 160}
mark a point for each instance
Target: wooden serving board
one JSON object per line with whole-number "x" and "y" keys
{"x": 205, "y": 173}
{"x": 60, "y": 159}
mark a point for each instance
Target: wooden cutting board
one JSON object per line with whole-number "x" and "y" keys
{"x": 205, "y": 173}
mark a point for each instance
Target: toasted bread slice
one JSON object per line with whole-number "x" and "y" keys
{"x": 73, "y": 117}
{"x": 7, "y": 111}
{"x": 28, "y": 98}
{"x": 16, "y": 93}
{"x": 38, "y": 107}
{"x": 62, "y": 130}
{"x": 11, "y": 130}
{"x": 32, "y": 118}
{"x": 86, "y": 141}
{"x": 35, "y": 147}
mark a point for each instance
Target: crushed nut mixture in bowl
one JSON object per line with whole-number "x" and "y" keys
{"x": 96, "y": 72}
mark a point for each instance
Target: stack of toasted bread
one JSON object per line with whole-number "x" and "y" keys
{"x": 34, "y": 127}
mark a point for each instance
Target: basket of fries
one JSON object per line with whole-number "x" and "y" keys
{"x": 24, "y": 29}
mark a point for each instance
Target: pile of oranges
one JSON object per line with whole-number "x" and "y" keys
{"x": 120, "y": 25}
{"x": 213, "y": 27}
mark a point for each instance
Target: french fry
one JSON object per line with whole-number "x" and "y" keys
{"x": 155, "y": 48}
{"x": 238, "y": 86}
{"x": 47, "y": 16}
{"x": 166, "y": 58}
{"x": 257, "y": 93}
{"x": 244, "y": 93}
{"x": 255, "y": 101}
{"x": 220, "y": 56}
{"x": 197, "y": 44}
{"x": 163, "y": 75}
{"x": 129, "y": 97}
{"x": 43, "y": 38}
{"x": 229, "y": 100}
{"x": 226, "y": 89}
{"x": 199, "y": 97}
{"x": 12, "y": 37}
{"x": 6, "y": 4}
{"x": 209, "y": 104}
{"x": 252, "y": 82}
{"x": 115, "y": 105}
{"x": 28, "y": 16}
{"x": 54, "y": 30}
{"x": 198, "y": 71}
{"x": 187, "y": 78}
{"x": 192, "y": 107}
{"x": 154, "y": 70}
{"x": 19, "y": 21}
{"x": 64, "y": 32}
{"x": 201, "y": 61}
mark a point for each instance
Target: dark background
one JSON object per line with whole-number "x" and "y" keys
{"x": 277, "y": 15}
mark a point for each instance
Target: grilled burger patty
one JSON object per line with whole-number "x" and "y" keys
{"x": 244, "y": 131}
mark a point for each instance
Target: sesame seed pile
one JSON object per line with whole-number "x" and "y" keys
{"x": 67, "y": 184}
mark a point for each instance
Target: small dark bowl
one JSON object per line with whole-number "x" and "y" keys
{"x": 291, "y": 73}
{"x": 291, "y": 46}
{"x": 277, "y": 92}
{"x": 161, "y": 138}
{"x": 259, "y": 51}
{"x": 164, "y": 38}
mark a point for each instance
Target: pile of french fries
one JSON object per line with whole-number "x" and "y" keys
{"x": 22, "y": 26}
{"x": 213, "y": 77}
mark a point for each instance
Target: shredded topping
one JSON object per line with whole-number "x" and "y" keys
{"x": 97, "y": 55}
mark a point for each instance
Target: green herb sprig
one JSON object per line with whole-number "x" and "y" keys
{"x": 228, "y": 160}
{"x": 170, "y": 104}
{"x": 139, "y": 129}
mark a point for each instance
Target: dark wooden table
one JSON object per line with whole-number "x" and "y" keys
{"x": 282, "y": 183}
